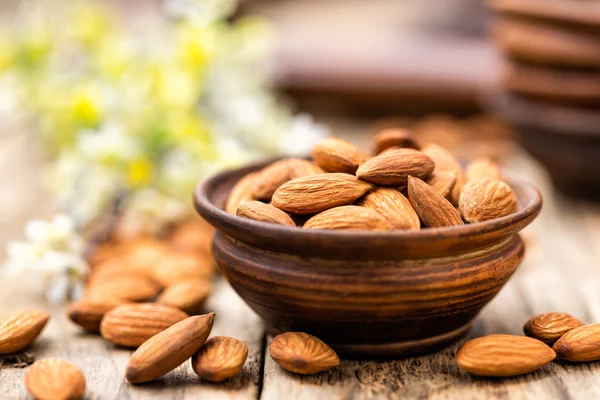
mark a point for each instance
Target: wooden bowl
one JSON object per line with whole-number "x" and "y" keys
{"x": 367, "y": 294}
{"x": 565, "y": 139}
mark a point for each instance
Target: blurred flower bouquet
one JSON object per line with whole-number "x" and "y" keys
{"x": 139, "y": 120}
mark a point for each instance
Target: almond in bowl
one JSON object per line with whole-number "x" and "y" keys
{"x": 400, "y": 188}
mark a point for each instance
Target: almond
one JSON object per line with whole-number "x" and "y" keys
{"x": 392, "y": 206}
{"x": 143, "y": 253}
{"x": 263, "y": 212}
{"x": 445, "y": 162}
{"x": 220, "y": 358}
{"x": 188, "y": 296}
{"x": 551, "y": 326}
{"x": 112, "y": 270}
{"x": 442, "y": 182}
{"x": 503, "y": 355}
{"x": 126, "y": 287}
{"x": 105, "y": 251}
{"x": 168, "y": 349}
{"x": 178, "y": 266}
{"x": 302, "y": 353}
{"x": 53, "y": 379}
{"x": 270, "y": 178}
{"x": 130, "y": 325}
{"x": 393, "y": 167}
{"x": 482, "y": 168}
{"x": 433, "y": 209}
{"x": 484, "y": 199}
{"x": 395, "y": 137}
{"x": 242, "y": 191}
{"x": 88, "y": 312}
{"x": 350, "y": 218}
{"x": 193, "y": 237}
{"x": 19, "y": 331}
{"x": 579, "y": 344}
{"x": 337, "y": 155}
{"x": 315, "y": 193}
{"x": 299, "y": 167}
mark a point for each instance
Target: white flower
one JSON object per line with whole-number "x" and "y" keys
{"x": 303, "y": 134}
{"x": 109, "y": 144}
{"x": 149, "y": 211}
{"x": 200, "y": 11}
{"x": 51, "y": 257}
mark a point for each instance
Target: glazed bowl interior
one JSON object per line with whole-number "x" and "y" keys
{"x": 211, "y": 195}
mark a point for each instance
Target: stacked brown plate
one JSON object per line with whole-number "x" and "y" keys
{"x": 550, "y": 87}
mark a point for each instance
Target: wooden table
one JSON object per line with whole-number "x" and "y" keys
{"x": 561, "y": 273}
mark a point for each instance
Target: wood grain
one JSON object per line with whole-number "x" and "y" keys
{"x": 104, "y": 364}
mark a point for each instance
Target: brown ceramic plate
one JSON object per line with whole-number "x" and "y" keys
{"x": 541, "y": 43}
{"x": 584, "y": 13}
{"x": 551, "y": 84}
{"x": 565, "y": 139}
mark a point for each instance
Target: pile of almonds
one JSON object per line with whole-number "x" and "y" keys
{"x": 164, "y": 340}
{"x": 511, "y": 355}
{"x": 403, "y": 187}
{"x": 143, "y": 285}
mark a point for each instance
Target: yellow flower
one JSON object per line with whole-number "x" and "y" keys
{"x": 139, "y": 172}
{"x": 175, "y": 86}
{"x": 86, "y": 104}
{"x": 192, "y": 132}
{"x": 6, "y": 50}
{"x": 113, "y": 57}
{"x": 195, "y": 46}
{"x": 90, "y": 24}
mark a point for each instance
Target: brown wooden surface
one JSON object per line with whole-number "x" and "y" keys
{"x": 561, "y": 272}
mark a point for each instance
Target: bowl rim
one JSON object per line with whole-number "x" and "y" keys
{"x": 210, "y": 211}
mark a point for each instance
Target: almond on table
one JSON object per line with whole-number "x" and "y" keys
{"x": 19, "y": 331}
{"x": 579, "y": 344}
{"x": 302, "y": 353}
{"x": 88, "y": 312}
{"x": 53, "y": 379}
{"x": 503, "y": 355}
{"x": 169, "y": 349}
{"x": 188, "y": 295}
{"x": 550, "y": 327}
{"x": 130, "y": 325}
{"x": 220, "y": 358}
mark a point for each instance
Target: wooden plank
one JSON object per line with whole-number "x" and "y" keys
{"x": 104, "y": 364}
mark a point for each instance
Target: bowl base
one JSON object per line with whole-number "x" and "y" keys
{"x": 386, "y": 351}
